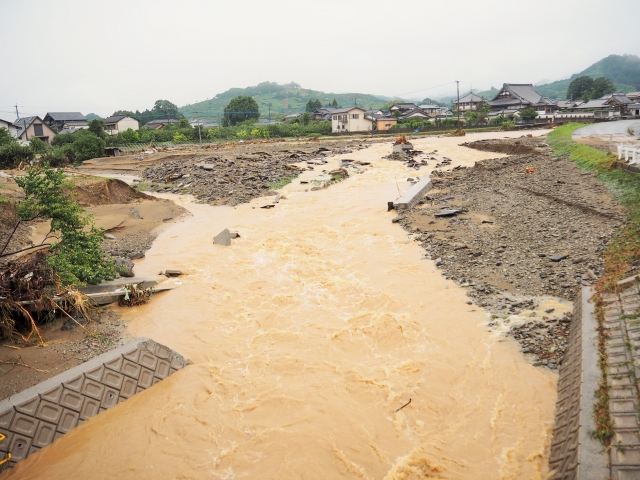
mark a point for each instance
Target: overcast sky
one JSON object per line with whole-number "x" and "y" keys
{"x": 90, "y": 56}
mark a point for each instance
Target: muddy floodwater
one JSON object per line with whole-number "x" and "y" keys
{"x": 308, "y": 335}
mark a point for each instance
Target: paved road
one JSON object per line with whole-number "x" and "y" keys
{"x": 609, "y": 128}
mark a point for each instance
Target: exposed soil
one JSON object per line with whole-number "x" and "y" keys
{"x": 91, "y": 191}
{"x": 527, "y": 226}
{"x": 132, "y": 217}
{"x": 67, "y": 345}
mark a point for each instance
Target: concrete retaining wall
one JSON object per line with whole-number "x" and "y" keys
{"x": 34, "y": 418}
{"x": 414, "y": 195}
{"x": 574, "y": 454}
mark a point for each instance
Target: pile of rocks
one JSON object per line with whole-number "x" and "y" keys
{"x": 515, "y": 146}
{"x": 231, "y": 180}
{"x": 529, "y": 225}
{"x": 546, "y": 340}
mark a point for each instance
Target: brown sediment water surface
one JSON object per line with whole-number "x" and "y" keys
{"x": 308, "y": 335}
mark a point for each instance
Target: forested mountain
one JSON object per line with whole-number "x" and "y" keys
{"x": 622, "y": 70}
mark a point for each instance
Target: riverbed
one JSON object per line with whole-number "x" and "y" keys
{"x": 324, "y": 345}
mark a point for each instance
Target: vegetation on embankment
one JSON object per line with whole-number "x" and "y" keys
{"x": 623, "y": 253}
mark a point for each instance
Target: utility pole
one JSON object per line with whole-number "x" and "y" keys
{"x": 269, "y": 105}
{"x": 17, "y": 114}
{"x": 458, "y": 105}
{"x": 199, "y": 134}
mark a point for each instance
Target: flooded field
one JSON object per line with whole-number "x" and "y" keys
{"x": 324, "y": 346}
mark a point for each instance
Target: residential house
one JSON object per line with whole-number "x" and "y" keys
{"x": 350, "y": 119}
{"x": 65, "y": 120}
{"x": 599, "y": 107}
{"x": 634, "y": 96}
{"x": 518, "y": 96}
{"x": 160, "y": 123}
{"x": 29, "y": 127}
{"x": 634, "y": 109}
{"x": 323, "y": 113}
{"x": 433, "y": 110}
{"x": 380, "y": 121}
{"x": 120, "y": 123}
{"x": 402, "y": 107}
{"x": 13, "y": 129}
{"x": 468, "y": 102}
{"x": 416, "y": 112}
{"x": 619, "y": 102}
{"x": 568, "y": 105}
{"x": 290, "y": 118}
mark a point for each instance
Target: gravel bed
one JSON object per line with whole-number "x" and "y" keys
{"x": 523, "y": 227}
{"x": 234, "y": 178}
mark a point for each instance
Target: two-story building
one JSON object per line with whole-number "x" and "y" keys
{"x": 120, "y": 123}
{"x": 30, "y": 127}
{"x": 468, "y": 102}
{"x": 514, "y": 97}
{"x": 13, "y": 129}
{"x": 66, "y": 120}
{"x": 350, "y": 119}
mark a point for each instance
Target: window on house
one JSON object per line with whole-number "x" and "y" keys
{"x": 37, "y": 129}
{"x": 355, "y": 115}
{"x": 335, "y": 117}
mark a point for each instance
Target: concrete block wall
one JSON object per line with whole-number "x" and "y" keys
{"x": 39, "y": 415}
{"x": 414, "y": 195}
{"x": 574, "y": 454}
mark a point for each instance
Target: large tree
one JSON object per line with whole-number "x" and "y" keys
{"x": 602, "y": 86}
{"x": 313, "y": 105}
{"x": 579, "y": 87}
{"x": 240, "y": 109}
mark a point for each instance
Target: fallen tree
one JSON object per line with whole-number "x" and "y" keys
{"x": 69, "y": 256}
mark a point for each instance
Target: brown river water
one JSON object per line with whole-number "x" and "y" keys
{"x": 307, "y": 334}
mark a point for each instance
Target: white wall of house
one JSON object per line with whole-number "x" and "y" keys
{"x": 352, "y": 121}
{"x": 124, "y": 125}
{"x": 13, "y": 131}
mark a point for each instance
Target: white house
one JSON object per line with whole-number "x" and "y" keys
{"x": 350, "y": 119}
{"x": 120, "y": 123}
{"x": 13, "y": 129}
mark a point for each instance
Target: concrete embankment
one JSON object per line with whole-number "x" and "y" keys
{"x": 43, "y": 413}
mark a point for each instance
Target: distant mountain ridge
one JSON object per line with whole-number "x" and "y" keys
{"x": 622, "y": 70}
{"x": 284, "y": 99}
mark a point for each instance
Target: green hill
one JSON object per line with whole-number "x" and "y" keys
{"x": 284, "y": 100}
{"x": 622, "y": 70}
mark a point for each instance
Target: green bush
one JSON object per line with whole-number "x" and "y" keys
{"x": 56, "y": 156}
{"x": 87, "y": 147}
{"x": 5, "y": 137}
{"x": 37, "y": 145}
{"x": 77, "y": 255}
{"x": 13, "y": 153}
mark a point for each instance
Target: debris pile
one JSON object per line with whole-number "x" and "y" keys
{"x": 231, "y": 181}
{"x": 524, "y": 145}
{"x": 28, "y": 287}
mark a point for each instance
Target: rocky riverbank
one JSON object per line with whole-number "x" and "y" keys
{"x": 515, "y": 229}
